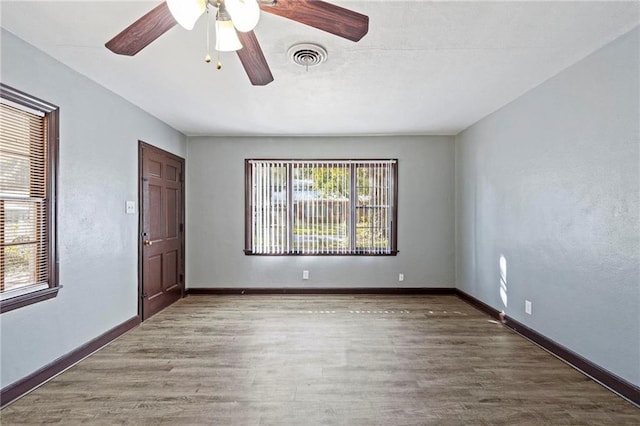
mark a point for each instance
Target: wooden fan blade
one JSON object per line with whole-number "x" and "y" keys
{"x": 141, "y": 33}
{"x": 253, "y": 59}
{"x": 323, "y": 16}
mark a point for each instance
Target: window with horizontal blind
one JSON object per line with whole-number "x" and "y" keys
{"x": 28, "y": 159}
{"x": 321, "y": 207}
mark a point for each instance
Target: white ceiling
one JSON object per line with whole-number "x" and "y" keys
{"x": 423, "y": 68}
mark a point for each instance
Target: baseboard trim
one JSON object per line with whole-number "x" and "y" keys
{"x": 478, "y": 304}
{"x": 220, "y": 291}
{"x": 23, "y": 386}
{"x": 594, "y": 371}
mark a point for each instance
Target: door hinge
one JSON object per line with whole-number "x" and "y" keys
{"x": 144, "y": 295}
{"x": 145, "y": 179}
{"x": 182, "y": 227}
{"x": 181, "y": 278}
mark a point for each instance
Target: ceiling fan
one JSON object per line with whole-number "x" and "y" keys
{"x": 235, "y": 21}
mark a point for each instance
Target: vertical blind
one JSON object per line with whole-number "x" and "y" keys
{"x": 328, "y": 207}
{"x": 23, "y": 199}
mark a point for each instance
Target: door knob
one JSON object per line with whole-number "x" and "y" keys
{"x": 148, "y": 243}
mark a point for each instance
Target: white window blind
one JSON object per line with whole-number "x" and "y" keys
{"x": 321, "y": 207}
{"x": 23, "y": 199}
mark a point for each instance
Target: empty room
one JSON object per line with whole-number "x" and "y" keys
{"x": 309, "y": 212}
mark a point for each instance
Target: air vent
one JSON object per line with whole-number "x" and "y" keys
{"x": 307, "y": 55}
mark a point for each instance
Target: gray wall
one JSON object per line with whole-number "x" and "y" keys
{"x": 99, "y": 134}
{"x": 551, "y": 182}
{"x": 215, "y": 215}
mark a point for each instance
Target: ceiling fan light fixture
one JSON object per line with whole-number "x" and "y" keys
{"x": 187, "y": 12}
{"x": 319, "y": 14}
{"x": 245, "y": 14}
{"x": 226, "y": 37}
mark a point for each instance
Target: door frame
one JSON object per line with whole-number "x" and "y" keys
{"x": 142, "y": 144}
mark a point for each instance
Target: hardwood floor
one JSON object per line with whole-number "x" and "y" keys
{"x": 321, "y": 360}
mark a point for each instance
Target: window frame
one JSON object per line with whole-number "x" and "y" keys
{"x": 52, "y": 130}
{"x": 352, "y": 207}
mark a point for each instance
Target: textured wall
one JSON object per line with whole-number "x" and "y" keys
{"x": 215, "y": 215}
{"x": 551, "y": 183}
{"x": 99, "y": 134}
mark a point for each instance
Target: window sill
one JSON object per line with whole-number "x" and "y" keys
{"x": 28, "y": 299}
{"x": 250, "y": 253}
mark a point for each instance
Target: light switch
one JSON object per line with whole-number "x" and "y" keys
{"x": 131, "y": 207}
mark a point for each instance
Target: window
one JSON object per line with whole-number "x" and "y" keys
{"x": 28, "y": 165}
{"x": 321, "y": 207}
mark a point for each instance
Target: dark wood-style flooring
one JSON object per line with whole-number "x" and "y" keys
{"x": 321, "y": 360}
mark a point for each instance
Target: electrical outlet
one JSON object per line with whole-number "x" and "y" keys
{"x": 527, "y": 307}
{"x": 305, "y": 275}
{"x": 400, "y": 276}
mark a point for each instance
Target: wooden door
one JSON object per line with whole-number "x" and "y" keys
{"x": 162, "y": 229}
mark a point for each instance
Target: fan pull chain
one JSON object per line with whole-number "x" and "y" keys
{"x": 219, "y": 64}
{"x": 207, "y": 58}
